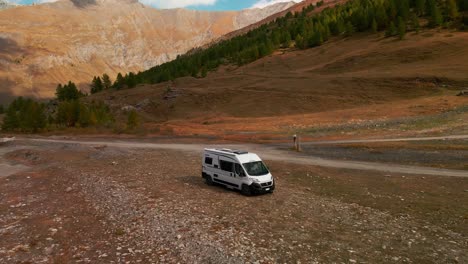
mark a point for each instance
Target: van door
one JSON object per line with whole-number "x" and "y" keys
{"x": 227, "y": 177}
{"x": 239, "y": 174}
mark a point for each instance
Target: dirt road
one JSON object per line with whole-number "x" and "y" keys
{"x": 453, "y": 137}
{"x": 270, "y": 153}
{"x": 6, "y": 167}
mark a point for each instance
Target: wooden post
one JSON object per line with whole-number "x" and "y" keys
{"x": 298, "y": 149}
{"x": 295, "y": 142}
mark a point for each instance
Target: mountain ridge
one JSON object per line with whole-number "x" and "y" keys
{"x": 75, "y": 40}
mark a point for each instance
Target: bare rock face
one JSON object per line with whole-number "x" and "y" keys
{"x": 47, "y": 44}
{"x": 4, "y": 4}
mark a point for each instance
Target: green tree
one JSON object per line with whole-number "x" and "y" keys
{"x": 420, "y": 6}
{"x": 300, "y": 43}
{"x": 96, "y": 85}
{"x": 132, "y": 120}
{"x": 463, "y": 5}
{"x": 401, "y": 28}
{"x": 415, "y": 23}
{"x": 203, "y": 72}
{"x": 68, "y": 92}
{"x": 391, "y": 30}
{"x": 349, "y": 28}
{"x": 374, "y": 26}
{"x": 68, "y": 113}
{"x": 10, "y": 121}
{"x": 316, "y": 39}
{"x": 119, "y": 82}
{"x": 452, "y": 9}
{"x": 25, "y": 115}
{"x": 2, "y": 109}
{"x": 106, "y": 81}
{"x": 131, "y": 80}
{"x": 436, "y": 18}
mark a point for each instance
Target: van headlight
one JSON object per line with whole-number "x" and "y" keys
{"x": 255, "y": 180}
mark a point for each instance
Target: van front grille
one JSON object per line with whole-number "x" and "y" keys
{"x": 266, "y": 184}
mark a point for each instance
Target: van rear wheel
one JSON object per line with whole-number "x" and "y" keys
{"x": 208, "y": 180}
{"x": 246, "y": 190}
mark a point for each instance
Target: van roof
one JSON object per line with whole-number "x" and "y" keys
{"x": 241, "y": 155}
{"x": 228, "y": 151}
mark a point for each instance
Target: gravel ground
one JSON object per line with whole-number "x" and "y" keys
{"x": 96, "y": 204}
{"x": 439, "y": 158}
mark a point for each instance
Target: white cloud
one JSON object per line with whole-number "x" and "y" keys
{"x": 265, "y": 3}
{"x": 177, "y": 3}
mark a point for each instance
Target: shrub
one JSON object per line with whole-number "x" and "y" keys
{"x": 132, "y": 120}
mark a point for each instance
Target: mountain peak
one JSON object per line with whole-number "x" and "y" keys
{"x": 86, "y": 3}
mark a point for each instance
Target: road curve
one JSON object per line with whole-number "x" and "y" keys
{"x": 269, "y": 153}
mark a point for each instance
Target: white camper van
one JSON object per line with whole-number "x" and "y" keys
{"x": 237, "y": 169}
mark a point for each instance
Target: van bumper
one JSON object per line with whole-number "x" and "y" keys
{"x": 258, "y": 188}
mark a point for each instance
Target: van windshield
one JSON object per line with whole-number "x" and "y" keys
{"x": 256, "y": 168}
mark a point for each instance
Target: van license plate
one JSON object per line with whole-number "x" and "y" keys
{"x": 267, "y": 189}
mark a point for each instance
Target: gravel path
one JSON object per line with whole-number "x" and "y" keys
{"x": 270, "y": 153}
{"x": 8, "y": 168}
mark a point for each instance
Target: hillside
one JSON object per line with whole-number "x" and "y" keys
{"x": 365, "y": 77}
{"x": 47, "y": 44}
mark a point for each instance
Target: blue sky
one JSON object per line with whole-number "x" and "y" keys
{"x": 217, "y": 5}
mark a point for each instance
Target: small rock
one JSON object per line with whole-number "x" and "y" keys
{"x": 53, "y": 230}
{"x": 69, "y": 189}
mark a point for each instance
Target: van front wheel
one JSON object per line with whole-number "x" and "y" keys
{"x": 246, "y": 190}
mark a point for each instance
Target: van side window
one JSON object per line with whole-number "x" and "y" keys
{"x": 208, "y": 160}
{"x": 239, "y": 170}
{"x": 226, "y": 165}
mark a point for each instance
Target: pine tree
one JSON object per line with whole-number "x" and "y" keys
{"x": 204, "y": 73}
{"x": 25, "y": 115}
{"x": 374, "y": 26}
{"x": 463, "y": 5}
{"x": 349, "y": 29}
{"x": 10, "y": 121}
{"x": 119, "y": 82}
{"x": 391, "y": 30}
{"x": 452, "y": 9}
{"x": 403, "y": 9}
{"x": 130, "y": 80}
{"x": 68, "y": 92}
{"x": 436, "y": 16}
{"x": 96, "y": 85}
{"x": 300, "y": 41}
{"x": 420, "y": 7}
{"x": 415, "y": 23}
{"x": 106, "y": 81}
{"x": 401, "y": 28}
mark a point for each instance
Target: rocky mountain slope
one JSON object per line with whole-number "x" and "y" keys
{"x": 52, "y": 43}
{"x": 5, "y": 4}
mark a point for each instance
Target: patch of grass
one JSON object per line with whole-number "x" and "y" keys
{"x": 404, "y": 124}
{"x": 119, "y": 232}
